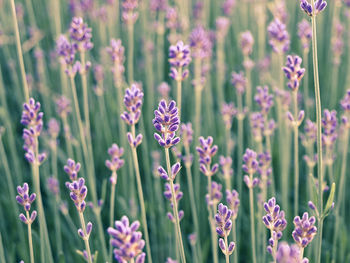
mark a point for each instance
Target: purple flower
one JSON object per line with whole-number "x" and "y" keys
{"x": 53, "y": 185}
{"x": 171, "y": 18}
{"x": 63, "y": 106}
{"x": 232, "y": 199}
{"x": 178, "y": 197}
{"x": 257, "y": 124}
{"x": 24, "y": 199}
{"x": 304, "y": 230}
{"x": 239, "y": 81}
{"x": 228, "y": 6}
{"x": 223, "y": 221}
{"x": 228, "y": 111}
{"x": 133, "y": 100}
{"x": 345, "y": 102}
{"x": 337, "y": 42}
{"x": 294, "y": 72}
{"x": 264, "y": 169}
{"x": 329, "y": 124}
{"x": 78, "y": 192}
{"x": 319, "y": 6}
{"x": 115, "y": 163}
{"x": 264, "y": 99}
{"x": 166, "y": 121}
{"x": 72, "y": 169}
{"x": 250, "y": 167}
{"x": 80, "y": 34}
{"x": 164, "y": 90}
{"x": 278, "y": 36}
{"x": 289, "y": 254}
{"x": 127, "y": 241}
{"x": 200, "y": 43}
{"x": 186, "y": 133}
{"x": 192, "y": 238}
{"x": 274, "y": 220}
{"x": 65, "y": 50}
{"x": 53, "y": 128}
{"x": 129, "y": 14}
{"x": 179, "y": 57}
{"x": 158, "y": 5}
{"x": 305, "y": 33}
{"x": 222, "y": 26}
{"x": 214, "y": 194}
{"x": 174, "y": 171}
{"x": 246, "y": 42}
{"x": 206, "y": 151}
{"x": 116, "y": 52}
{"x": 31, "y": 116}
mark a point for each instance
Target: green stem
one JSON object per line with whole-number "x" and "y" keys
{"x": 111, "y": 210}
{"x": 178, "y": 94}
{"x": 319, "y": 132}
{"x": 19, "y": 51}
{"x": 227, "y": 257}
{"x": 85, "y": 238}
{"x": 234, "y": 234}
{"x": 175, "y": 210}
{"x": 142, "y": 202}
{"x": 130, "y": 52}
{"x": 296, "y": 154}
{"x": 30, "y": 241}
{"x": 252, "y": 224}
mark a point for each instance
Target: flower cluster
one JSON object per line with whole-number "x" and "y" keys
{"x": 115, "y": 163}
{"x": 239, "y": 81}
{"x": 275, "y": 221}
{"x": 250, "y": 167}
{"x": 33, "y": 119}
{"x": 305, "y": 33}
{"x": 179, "y": 58}
{"x": 116, "y": 52}
{"x": 345, "y": 102}
{"x": 72, "y": 169}
{"x": 319, "y": 6}
{"x": 226, "y": 164}
{"x": 228, "y": 6}
{"x": 304, "y": 230}
{"x": 78, "y": 192}
{"x": 294, "y": 72}
{"x": 164, "y": 90}
{"x": 289, "y": 254}
{"x": 264, "y": 168}
{"x": 200, "y": 43}
{"x": 329, "y": 124}
{"x": 228, "y": 111}
{"x": 247, "y": 42}
{"x": 178, "y": 197}
{"x": 127, "y": 241}
{"x": 232, "y": 199}
{"x": 26, "y": 200}
{"x": 222, "y": 26}
{"x": 206, "y": 151}
{"x": 214, "y": 194}
{"x": 223, "y": 228}
{"x": 166, "y": 121}
{"x": 65, "y": 50}
{"x": 337, "y": 42}
{"x": 81, "y": 35}
{"x": 186, "y": 133}
{"x": 264, "y": 99}
{"x": 279, "y": 37}
{"x": 257, "y": 125}
{"x": 129, "y": 15}
{"x": 63, "y": 106}
{"x": 174, "y": 171}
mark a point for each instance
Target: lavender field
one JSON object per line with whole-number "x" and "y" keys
{"x": 171, "y": 131}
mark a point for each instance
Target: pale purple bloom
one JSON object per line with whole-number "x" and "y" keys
{"x": 72, "y": 169}
{"x": 246, "y": 42}
{"x": 226, "y": 164}
{"x": 263, "y": 99}
{"x": 223, "y": 220}
{"x": 305, "y": 33}
{"x": 228, "y": 111}
{"x": 65, "y": 50}
{"x": 239, "y": 81}
{"x": 345, "y": 102}
{"x": 304, "y": 230}
{"x": 289, "y": 254}
{"x": 158, "y": 5}
{"x": 178, "y": 197}
{"x": 171, "y": 18}
{"x": 228, "y": 6}
{"x": 200, "y": 43}
{"x": 250, "y": 167}
{"x": 170, "y": 260}
{"x": 78, "y": 192}
{"x": 179, "y": 58}
{"x": 164, "y": 90}
{"x": 133, "y": 100}
{"x": 329, "y": 124}
{"x": 127, "y": 241}
{"x": 174, "y": 171}
{"x": 80, "y": 34}
{"x": 206, "y": 151}
{"x": 63, "y": 106}
{"x": 222, "y": 26}
{"x": 24, "y": 199}
{"x": 294, "y": 72}
{"x": 278, "y": 36}
{"x": 166, "y": 121}
{"x": 214, "y": 194}
{"x": 233, "y": 202}
{"x": 186, "y": 133}
{"x": 192, "y": 238}
{"x": 115, "y": 163}
{"x": 116, "y": 52}
{"x": 129, "y": 14}
{"x": 337, "y": 42}
{"x": 53, "y": 128}
{"x": 257, "y": 124}
{"x": 320, "y": 5}
{"x": 53, "y": 185}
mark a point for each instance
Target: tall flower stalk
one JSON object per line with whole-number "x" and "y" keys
{"x": 24, "y": 199}
{"x": 233, "y": 202}
{"x": 312, "y": 10}
{"x": 114, "y": 164}
{"x": 166, "y": 121}
{"x": 133, "y": 100}
{"x": 250, "y": 166}
{"x": 294, "y": 74}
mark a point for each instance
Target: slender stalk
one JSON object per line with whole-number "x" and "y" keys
{"x": 306, "y": 81}
{"x": 111, "y": 210}
{"x": 234, "y": 234}
{"x": 319, "y": 133}
{"x": 296, "y": 154}
{"x": 30, "y": 241}
{"x": 86, "y": 238}
{"x": 142, "y": 202}
{"x": 248, "y": 97}
{"x": 240, "y": 118}
{"x": 131, "y": 52}
{"x": 19, "y": 51}
{"x": 67, "y": 135}
{"x": 252, "y": 224}
{"x": 178, "y": 92}
{"x": 227, "y": 257}
{"x": 175, "y": 210}
{"x": 214, "y": 248}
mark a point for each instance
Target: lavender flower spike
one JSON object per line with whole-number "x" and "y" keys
{"x": 129, "y": 15}
{"x": 319, "y": 6}
{"x": 304, "y": 230}
{"x": 78, "y": 192}
{"x": 81, "y": 35}
{"x": 232, "y": 199}
{"x": 278, "y": 36}
{"x": 72, "y": 168}
{"x": 24, "y": 199}
{"x": 166, "y": 121}
{"x": 294, "y": 72}
{"x": 246, "y": 41}
{"x": 115, "y": 163}
{"x": 127, "y": 241}
{"x": 179, "y": 58}
{"x": 264, "y": 99}
{"x": 289, "y": 254}
{"x": 305, "y": 33}
{"x": 250, "y": 167}
{"x": 206, "y": 151}
{"x": 223, "y": 229}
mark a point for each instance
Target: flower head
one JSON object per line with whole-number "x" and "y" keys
{"x": 228, "y": 6}
{"x": 319, "y": 6}
{"x": 222, "y": 25}
{"x": 78, "y": 192}
{"x": 214, "y": 194}
{"x": 133, "y": 101}
{"x": 305, "y": 33}
{"x": 178, "y": 197}
{"x": 264, "y": 99}
{"x": 115, "y": 163}
{"x": 257, "y": 124}
{"x": 53, "y": 185}
{"x": 206, "y": 151}
{"x": 223, "y": 220}
{"x": 233, "y": 202}
{"x": 228, "y": 111}
{"x": 345, "y": 102}
{"x": 179, "y": 57}
{"x": 294, "y": 72}
{"x": 289, "y": 254}
{"x": 63, "y": 106}
{"x": 329, "y": 124}
{"x": 186, "y": 133}
{"x": 129, "y": 14}
{"x": 24, "y": 199}
{"x": 247, "y": 42}
{"x": 278, "y": 36}
{"x": 239, "y": 81}
{"x": 304, "y": 230}
{"x": 166, "y": 121}
{"x": 81, "y": 35}
{"x": 200, "y": 43}
{"x": 65, "y": 50}
{"x": 116, "y": 52}
{"x": 72, "y": 169}
{"x": 226, "y": 164}
{"x": 127, "y": 241}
